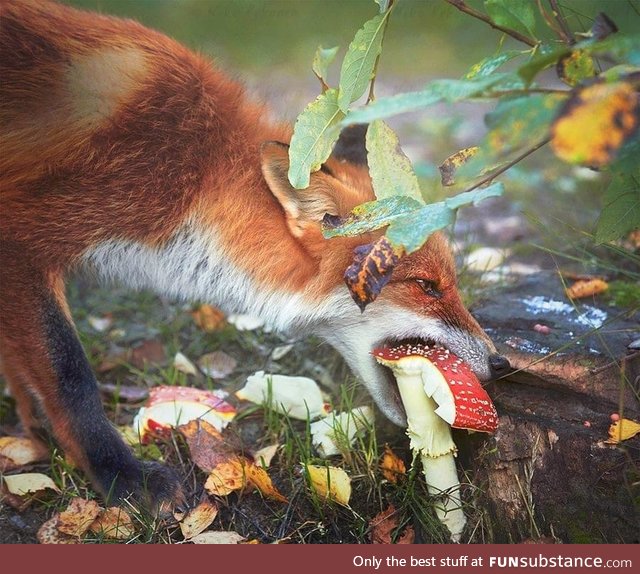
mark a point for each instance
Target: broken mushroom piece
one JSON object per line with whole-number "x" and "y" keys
{"x": 439, "y": 391}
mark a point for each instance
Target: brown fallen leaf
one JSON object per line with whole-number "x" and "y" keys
{"x": 48, "y": 533}
{"x": 20, "y": 451}
{"x": 586, "y": 288}
{"x": 622, "y": 429}
{"x": 217, "y": 365}
{"x": 198, "y": 519}
{"x": 216, "y": 537}
{"x": 208, "y": 318}
{"x": 207, "y": 447}
{"x": 124, "y": 393}
{"x": 113, "y": 522}
{"x": 78, "y": 517}
{"x": 384, "y": 528}
{"x": 391, "y": 465}
{"x": 150, "y": 351}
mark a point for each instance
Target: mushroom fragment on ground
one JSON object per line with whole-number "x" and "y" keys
{"x": 439, "y": 391}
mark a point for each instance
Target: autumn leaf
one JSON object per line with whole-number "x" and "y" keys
{"x": 206, "y": 445}
{"x": 258, "y": 477}
{"x": 78, "y": 517}
{"x": 586, "y": 288}
{"x": 218, "y": 537}
{"x": 198, "y": 519}
{"x": 330, "y": 482}
{"x": 208, "y": 318}
{"x": 623, "y": 429}
{"x": 391, "y": 465}
{"x": 20, "y": 451}
{"x": 48, "y": 533}
{"x": 370, "y": 271}
{"x": 28, "y": 483}
{"x": 384, "y": 529}
{"x": 148, "y": 352}
{"x": 114, "y": 523}
{"x": 595, "y": 122}
{"x": 217, "y": 365}
{"x": 226, "y": 477}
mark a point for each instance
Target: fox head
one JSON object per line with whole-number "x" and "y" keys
{"x": 420, "y": 302}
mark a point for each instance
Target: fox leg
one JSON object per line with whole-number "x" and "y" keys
{"x": 46, "y": 365}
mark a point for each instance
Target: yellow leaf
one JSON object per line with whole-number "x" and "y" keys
{"x": 19, "y": 451}
{"x": 595, "y": 122}
{"x": 262, "y": 481}
{"x": 28, "y": 483}
{"x": 198, "y": 519}
{"x": 226, "y": 477}
{"x": 330, "y": 482}
{"x": 624, "y": 429}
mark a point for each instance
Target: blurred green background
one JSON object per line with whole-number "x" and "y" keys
{"x": 426, "y": 37}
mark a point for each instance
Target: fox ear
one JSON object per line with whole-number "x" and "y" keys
{"x": 303, "y": 207}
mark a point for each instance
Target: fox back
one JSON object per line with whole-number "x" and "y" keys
{"x": 126, "y": 153}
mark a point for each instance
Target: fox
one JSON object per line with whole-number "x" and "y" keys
{"x": 127, "y": 154}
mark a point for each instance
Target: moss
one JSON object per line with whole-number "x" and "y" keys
{"x": 624, "y": 294}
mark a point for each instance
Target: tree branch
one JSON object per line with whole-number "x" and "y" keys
{"x": 463, "y": 7}
{"x": 507, "y": 166}
{"x": 567, "y": 36}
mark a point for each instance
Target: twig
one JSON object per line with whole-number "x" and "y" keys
{"x": 550, "y": 22}
{"x": 463, "y": 7}
{"x": 371, "y": 95}
{"x": 567, "y": 36}
{"x": 507, "y": 166}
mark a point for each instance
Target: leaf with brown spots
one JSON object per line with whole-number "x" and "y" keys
{"x": 198, "y": 519}
{"x": 595, "y": 122}
{"x": 207, "y": 447}
{"x": 575, "y": 67}
{"x": 622, "y": 429}
{"x": 114, "y": 523}
{"x": 449, "y": 166}
{"x": 384, "y": 529}
{"x": 370, "y": 271}
{"x": 78, "y": 517}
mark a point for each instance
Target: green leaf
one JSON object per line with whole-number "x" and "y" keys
{"x": 545, "y": 56}
{"x": 390, "y": 169}
{"x": 359, "y": 62}
{"x": 371, "y": 216}
{"x": 475, "y": 196}
{"x": 412, "y": 230}
{"x": 621, "y": 212}
{"x": 392, "y": 106}
{"x": 384, "y": 5}
{"x": 315, "y": 132}
{"x": 515, "y": 14}
{"x": 489, "y": 65}
{"x": 435, "y": 92}
{"x": 575, "y": 67}
{"x": 321, "y": 61}
{"x": 410, "y": 222}
{"x": 619, "y": 46}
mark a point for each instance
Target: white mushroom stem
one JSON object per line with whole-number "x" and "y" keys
{"x": 431, "y": 437}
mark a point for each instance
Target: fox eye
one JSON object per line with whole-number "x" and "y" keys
{"x": 428, "y": 287}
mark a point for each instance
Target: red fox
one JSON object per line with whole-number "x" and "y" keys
{"x": 124, "y": 152}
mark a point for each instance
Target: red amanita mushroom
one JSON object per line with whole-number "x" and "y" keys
{"x": 439, "y": 391}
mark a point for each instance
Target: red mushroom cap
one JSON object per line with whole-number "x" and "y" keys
{"x": 462, "y": 401}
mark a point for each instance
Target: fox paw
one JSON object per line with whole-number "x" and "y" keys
{"x": 155, "y": 487}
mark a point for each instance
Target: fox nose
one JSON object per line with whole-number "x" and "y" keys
{"x": 499, "y": 365}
